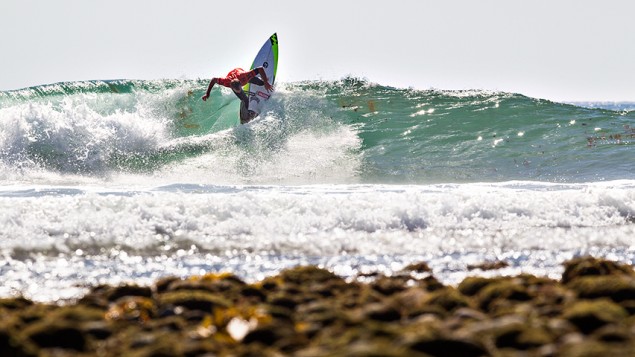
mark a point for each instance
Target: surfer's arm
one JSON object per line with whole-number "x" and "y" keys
{"x": 209, "y": 88}
{"x": 263, "y": 75}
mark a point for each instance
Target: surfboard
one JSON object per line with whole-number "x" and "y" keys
{"x": 267, "y": 57}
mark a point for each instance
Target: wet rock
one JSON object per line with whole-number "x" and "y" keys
{"x": 592, "y": 348}
{"x": 469, "y": 314}
{"x": 550, "y": 299}
{"x": 280, "y": 313}
{"x": 193, "y": 300}
{"x": 171, "y": 323}
{"x": 15, "y": 303}
{"x": 502, "y": 293}
{"x": 588, "y": 316}
{"x": 128, "y": 290}
{"x": 382, "y": 312}
{"x": 155, "y": 345}
{"x": 523, "y": 337}
{"x": 76, "y": 314}
{"x": 162, "y": 285}
{"x": 330, "y": 288}
{"x": 225, "y": 277}
{"x": 267, "y": 334}
{"x": 269, "y": 284}
{"x": 471, "y": 285}
{"x": 98, "y": 301}
{"x": 194, "y": 316}
{"x": 132, "y": 308}
{"x": 430, "y": 283}
{"x": 361, "y": 295}
{"x": 33, "y": 314}
{"x": 140, "y": 340}
{"x": 442, "y": 347}
{"x": 203, "y": 348}
{"x": 221, "y": 283}
{"x": 317, "y": 315}
{"x": 390, "y": 285}
{"x": 421, "y": 267}
{"x": 12, "y": 346}
{"x": 252, "y": 293}
{"x": 617, "y": 288}
{"x": 283, "y": 300}
{"x": 448, "y": 299}
{"x": 590, "y": 266}
{"x": 99, "y": 330}
{"x": 488, "y": 265}
{"x": 410, "y": 301}
{"x": 55, "y": 333}
{"x": 613, "y": 334}
{"x": 300, "y": 275}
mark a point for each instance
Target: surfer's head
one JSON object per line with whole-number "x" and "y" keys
{"x": 235, "y": 85}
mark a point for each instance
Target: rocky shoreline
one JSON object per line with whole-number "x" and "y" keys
{"x": 307, "y": 311}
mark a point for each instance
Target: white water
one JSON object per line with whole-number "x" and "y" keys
{"x": 64, "y": 238}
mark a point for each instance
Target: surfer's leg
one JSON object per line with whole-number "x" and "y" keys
{"x": 243, "y": 98}
{"x": 244, "y": 114}
{"x": 244, "y": 107}
{"x": 240, "y": 93}
{"x": 257, "y": 81}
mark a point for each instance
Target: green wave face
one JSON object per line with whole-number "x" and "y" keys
{"x": 392, "y": 135}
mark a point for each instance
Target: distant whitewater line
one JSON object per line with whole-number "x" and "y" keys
{"x": 617, "y": 106}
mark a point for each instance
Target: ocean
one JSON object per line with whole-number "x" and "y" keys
{"x": 106, "y": 182}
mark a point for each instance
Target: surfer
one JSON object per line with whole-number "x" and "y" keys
{"x": 235, "y": 80}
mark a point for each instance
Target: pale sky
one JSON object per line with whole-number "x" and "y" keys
{"x": 558, "y": 50}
